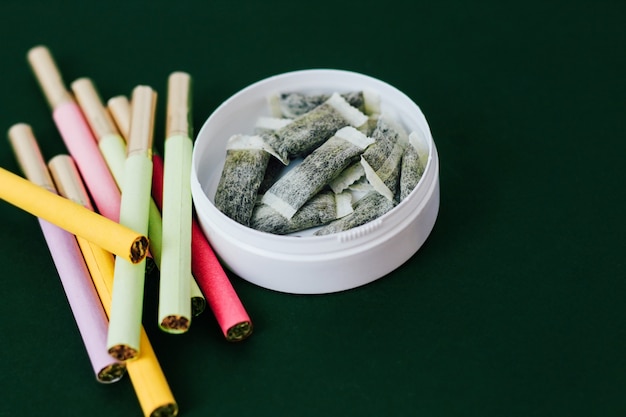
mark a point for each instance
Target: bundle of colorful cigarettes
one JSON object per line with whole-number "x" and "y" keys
{"x": 143, "y": 209}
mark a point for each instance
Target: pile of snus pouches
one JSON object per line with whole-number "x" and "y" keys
{"x": 324, "y": 163}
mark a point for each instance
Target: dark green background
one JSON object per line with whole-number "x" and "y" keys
{"x": 513, "y": 307}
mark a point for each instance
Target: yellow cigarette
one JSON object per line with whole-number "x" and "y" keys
{"x": 123, "y": 340}
{"x": 151, "y": 387}
{"x": 120, "y": 240}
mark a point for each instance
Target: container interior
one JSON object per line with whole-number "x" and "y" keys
{"x": 239, "y": 114}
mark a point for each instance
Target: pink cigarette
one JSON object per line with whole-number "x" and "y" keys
{"x": 76, "y": 134}
{"x": 217, "y": 288}
{"x": 84, "y": 149}
{"x": 210, "y": 276}
{"x": 80, "y": 291}
{"x": 83, "y": 300}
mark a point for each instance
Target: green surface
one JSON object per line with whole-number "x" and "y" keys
{"x": 513, "y": 307}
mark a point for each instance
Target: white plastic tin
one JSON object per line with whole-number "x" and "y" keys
{"x": 311, "y": 264}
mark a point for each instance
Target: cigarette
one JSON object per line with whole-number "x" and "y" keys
{"x": 119, "y": 108}
{"x": 84, "y": 301}
{"x": 174, "y": 314}
{"x": 145, "y": 372}
{"x": 228, "y": 309}
{"x": 82, "y": 297}
{"x": 123, "y": 340}
{"x": 39, "y": 201}
{"x": 76, "y": 133}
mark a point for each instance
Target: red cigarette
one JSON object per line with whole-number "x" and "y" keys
{"x": 208, "y": 272}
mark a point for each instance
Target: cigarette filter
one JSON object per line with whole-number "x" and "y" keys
{"x": 119, "y": 108}
{"x": 151, "y": 387}
{"x": 120, "y": 240}
{"x": 174, "y": 292}
{"x": 126, "y": 309}
{"x": 210, "y": 276}
{"x": 76, "y": 134}
{"x": 81, "y": 295}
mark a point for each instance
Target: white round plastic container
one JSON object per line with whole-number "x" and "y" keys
{"x": 311, "y": 264}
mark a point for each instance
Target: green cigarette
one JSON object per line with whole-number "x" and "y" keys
{"x": 127, "y": 297}
{"x": 106, "y": 126}
{"x": 174, "y": 314}
{"x": 113, "y": 147}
